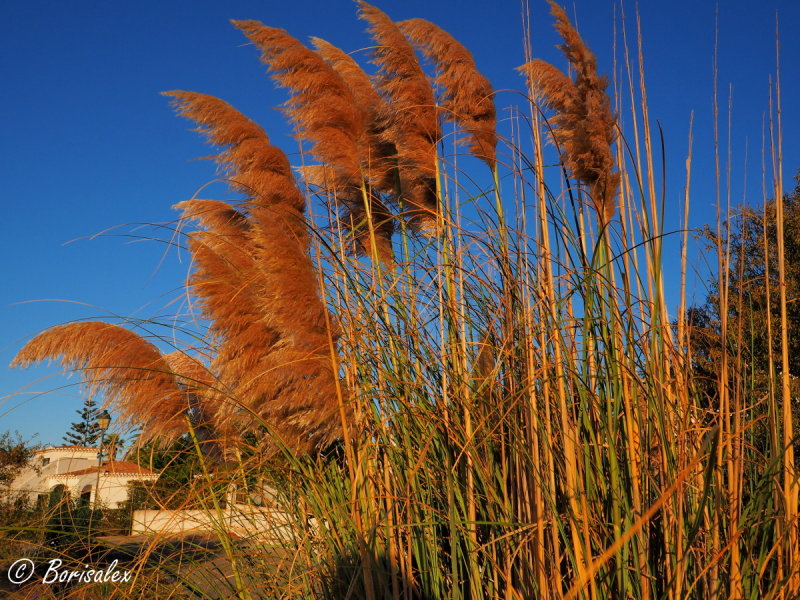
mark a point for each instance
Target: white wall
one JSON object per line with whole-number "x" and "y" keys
{"x": 39, "y": 478}
{"x": 263, "y": 524}
{"x": 32, "y": 481}
{"x": 113, "y": 488}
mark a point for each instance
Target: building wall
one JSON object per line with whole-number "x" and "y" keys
{"x": 62, "y": 461}
{"x": 261, "y": 524}
{"x": 37, "y": 477}
{"x": 48, "y": 469}
{"x": 113, "y": 488}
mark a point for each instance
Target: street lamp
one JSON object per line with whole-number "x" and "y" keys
{"x": 103, "y": 421}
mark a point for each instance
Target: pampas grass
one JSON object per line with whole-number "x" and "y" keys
{"x": 130, "y": 371}
{"x": 381, "y": 163}
{"x": 413, "y": 124}
{"x": 503, "y": 413}
{"x": 467, "y": 96}
{"x": 584, "y": 126}
{"x": 326, "y": 114}
{"x": 256, "y": 283}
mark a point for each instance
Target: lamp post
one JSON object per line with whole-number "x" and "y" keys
{"x": 103, "y": 421}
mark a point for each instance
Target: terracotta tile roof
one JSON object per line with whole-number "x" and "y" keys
{"x": 115, "y": 467}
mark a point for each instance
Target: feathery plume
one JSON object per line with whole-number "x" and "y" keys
{"x": 383, "y": 228}
{"x": 413, "y": 124}
{"x": 190, "y": 373}
{"x": 254, "y": 167}
{"x": 266, "y": 268}
{"x": 321, "y": 107}
{"x": 216, "y": 215}
{"x": 258, "y": 289}
{"x": 325, "y": 112}
{"x": 198, "y": 382}
{"x": 134, "y": 377}
{"x": 226, "y": 280}
{"x": 381, "y": 161}
{"x": 584, "y": 125}
{"x": 354, "y": 218}
{"x": 484, "y": 367}
{"x": 467, "y": 96}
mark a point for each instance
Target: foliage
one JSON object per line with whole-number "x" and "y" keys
{"x": 181, "y": 484}
{"x": 69, "y": 526}
{"x": 18, "y": 519}
{"x": 15, "y": 454}
{"x": 753, "y": 310}
{"x": 85, "y": 432}
{"x": 752, "y": 341}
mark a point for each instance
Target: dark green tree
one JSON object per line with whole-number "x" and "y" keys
{"x": 85, "y": 432}
{"x": 70, "y": 526}
{"x": 177, "y": 465}
{"x": 112, "y": 446}
{"x": 753, "y": 306}
{"x": 18, "y": 517}
{"x": 15, "y": 453}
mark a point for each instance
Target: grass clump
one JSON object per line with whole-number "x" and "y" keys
{"x": 451, "y": 390}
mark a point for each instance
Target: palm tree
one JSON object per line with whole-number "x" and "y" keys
{"x": 113, "y": 443}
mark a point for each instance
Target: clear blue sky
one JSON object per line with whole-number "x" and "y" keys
{"x": 88, "y": 144}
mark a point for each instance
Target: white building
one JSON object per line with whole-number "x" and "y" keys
{"x": 77, "y": 471}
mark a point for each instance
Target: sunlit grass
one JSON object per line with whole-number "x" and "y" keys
{"x": 523, "y": 418}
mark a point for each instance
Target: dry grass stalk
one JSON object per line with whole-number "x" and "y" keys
{"x": 357, "y": 220}
{"x": 468, "y": 96}
{"x": 413, "y": 121}
{"x": 584, "y": 125}
{"x": 562, "y": 448}
{"x": 135, "y": 378}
